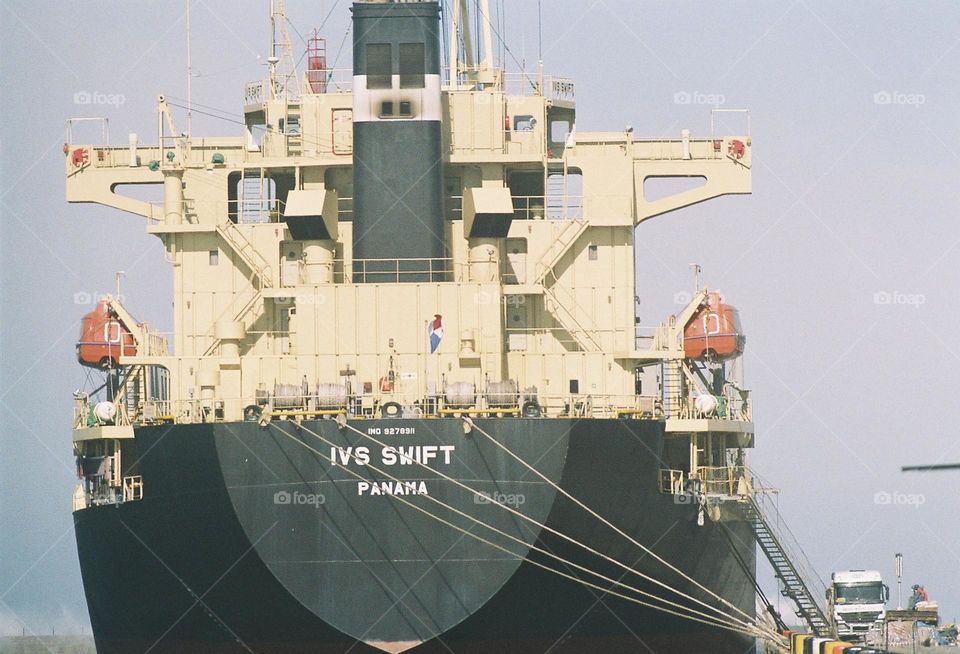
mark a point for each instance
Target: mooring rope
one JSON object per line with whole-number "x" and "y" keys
{"x": 605, "y": 521}
{"x": 729, "y": 621}
{"x": 733, "y": 624}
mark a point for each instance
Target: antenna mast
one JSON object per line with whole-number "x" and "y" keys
{"x": 189, "y": 82}
{"x": 284, "y": 82}
{"x": 483, "y": 72}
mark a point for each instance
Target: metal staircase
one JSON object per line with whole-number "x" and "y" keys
{"x": 568, "y": 235}
{"x": 260, "y": 267}
{"x": 792, "y": 568}
{"x": 261, "y": 275}
{"x": 559, "y": 308}
{"x": 560, "y": 301}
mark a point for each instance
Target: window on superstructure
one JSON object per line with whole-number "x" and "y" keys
{"x": 524, "y": 123}
{"x": 412, "y": 66}
{"x": 559, "y": 131}
{"x": 214, "y": 259}
{"x": 379, "y": 66}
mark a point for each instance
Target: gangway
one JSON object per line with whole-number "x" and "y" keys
{"x": 800, "y": 583}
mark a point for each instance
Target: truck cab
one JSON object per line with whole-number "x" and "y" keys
{"x": 856, "y": 603}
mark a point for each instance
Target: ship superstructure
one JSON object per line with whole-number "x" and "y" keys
{"x": 383, "y": 264}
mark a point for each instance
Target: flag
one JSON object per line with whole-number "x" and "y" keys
{"x": 435, "y": 332}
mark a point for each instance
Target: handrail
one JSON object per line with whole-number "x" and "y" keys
{"x": 709, "y": 480}
{"x": 788, "y": 539}
{"x": 385, "y": 271}
{"x": 368, "y": 405}
{"x": 132, "y": 488}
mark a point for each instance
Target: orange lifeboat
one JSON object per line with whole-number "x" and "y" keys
{"x": 714, "y": 332}
{"x": 103, "y": 339}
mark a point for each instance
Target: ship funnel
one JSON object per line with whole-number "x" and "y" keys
{"x": 397, "y": 163}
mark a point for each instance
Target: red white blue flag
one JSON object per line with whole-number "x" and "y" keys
{"x": 435, "y": 332}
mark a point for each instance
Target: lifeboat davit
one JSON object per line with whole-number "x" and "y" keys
{"x": 103, "y": 339}
{"x": 714, "y": 332}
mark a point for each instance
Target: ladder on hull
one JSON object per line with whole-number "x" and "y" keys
{"x": 788, "y": 568}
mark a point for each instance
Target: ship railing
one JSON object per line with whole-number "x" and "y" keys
{"x": 158, "y": 343}
{"x": 372, "y": 404}
{"x": 717, "y": 481}
{"x": 721, "y": 480}
{"x": 394, "y": 271}
{"x": 733, "y": 404}
{"x": 672, "y": 482}
{"x": 333, "y": 80}
{"x": 525, "y": 207}
{"x": 766, "y": 500}
{"x": 678, "y": 149}
{"x": 83, "y": 416}
{"x": 157, "y": 411}
{"x": 256, "y": 211}
{"x": 454, "y": 207}
{"x": 540, "y": 207}
{"x": 241, "y": 212}
{"x": 517, "y": 336}
{"x": 345, "y": 209}
{"x": 194, "y": 152}
{"x": 132, "y": 488}
{"x": 256, "y": 94}
{"x": 102, "y": 121}
{"x": 552, "y": 87}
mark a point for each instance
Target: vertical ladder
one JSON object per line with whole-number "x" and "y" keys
{"x": 556, "y": 197}
{"x": 130, "y": 393}
{"x": 251, "y": 200}
{"x": 293, "y": 130}
{"x": 787, "y": 570}
{"x": 672, "y": 384}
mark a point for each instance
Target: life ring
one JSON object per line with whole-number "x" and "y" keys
{"x": 391, "y": 410}
{"x": 737, "y": 149}
{"x": 80, "y": 157}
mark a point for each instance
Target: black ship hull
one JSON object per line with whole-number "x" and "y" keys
{"x": 248, "y": 539}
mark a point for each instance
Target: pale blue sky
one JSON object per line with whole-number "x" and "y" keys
{"x": 856, "y": 161}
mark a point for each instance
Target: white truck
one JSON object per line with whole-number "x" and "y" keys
{"x": 856, "y": 603}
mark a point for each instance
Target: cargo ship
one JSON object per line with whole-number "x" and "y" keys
{"x": 406, "y": 405}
